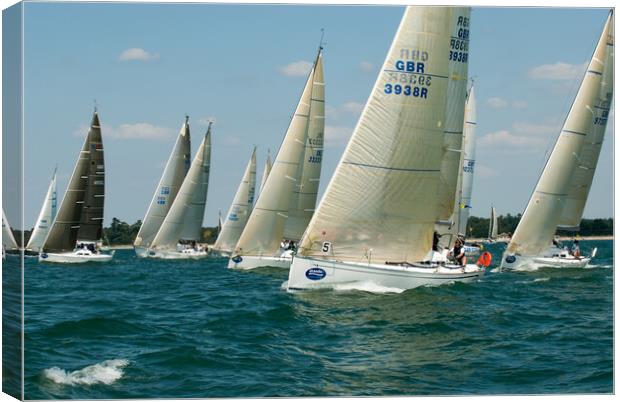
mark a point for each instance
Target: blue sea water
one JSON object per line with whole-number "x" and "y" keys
{"x": 152, "y": 328}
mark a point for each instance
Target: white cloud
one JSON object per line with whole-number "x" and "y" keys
{"x": 367, "y": 66}
{"x": 337, "y": 135}
{"x": 296, "y": 69}
{"x": 130, "y": 131}
{"x": 353, "y": 107}
{"x": 497, "y": 103}
{"x": 505, "y": 137}
{"x": 136, "y": 53}
{"x": 557, "y": 71}
{"x": 519, "y": 104}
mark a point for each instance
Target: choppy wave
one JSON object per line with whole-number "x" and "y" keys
{"x": 366, "y": 286}
{"x": 534, "y": 280}
{"x": 106, "y": 372}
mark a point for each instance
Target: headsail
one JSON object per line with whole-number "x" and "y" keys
{"x": 8, "y": 240}
{"x": 380, "y": 204}
{"x": 64, "y": 231}
{"x": 184, "y": 220}
{"x": 546, "y": 205}
{"x": 469, "y": 161}
{"x": 265, "y": 228}
{"x": 266, "y": 171}
{"x": 309, "y": 170}
{"x": 45, "y": 219}
{"x": 588, "y": 158}
{"x": 240, "y": 209}
{"x": 168, "y": 187}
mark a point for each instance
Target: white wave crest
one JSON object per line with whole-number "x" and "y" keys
{"x": 105, "y": 372}
{"x": 366, "y": 286}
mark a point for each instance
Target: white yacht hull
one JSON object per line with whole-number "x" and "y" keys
{"x": 518, "y": 262}
{"x": 254, "y": 261}
{"x": 177, "y": 255}
{"x": 75, "y": 257}
{"x": 141, "y": 252}
{"x": 309, "y": 273}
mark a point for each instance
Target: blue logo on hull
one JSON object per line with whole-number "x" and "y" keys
{"x": 510, "y": 259}
{"x": 43, "y": 255}
{"x": 237, "y": 259}
{"x": 315, "y": 274}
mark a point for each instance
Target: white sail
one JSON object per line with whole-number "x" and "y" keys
{"x": 380, "y": 204}
{"x": 184, "y": 220}
{"x": 167, "y": 189}
{"x": 240, "y": 209}
{"x": 588, "y": 158}
{"x": 8, "y": 240}
{"x": 307, "y": 187}
{"x": 266, "y": 171}
{"x": 469, "y": 161}
{"x": 45, "y": 219}
{"x": 493, "y": 224}
{"x": 265, "y": 228}
{"x": 546, "y": 205}
{"x": 455, "y": 110}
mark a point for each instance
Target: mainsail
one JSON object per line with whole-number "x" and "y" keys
{"x": 240, "y": 209}
{"x": 455, "y": 110}
{"x": 306, "y": 189}
{"x": 8, "y": 240}
{"x": 184, "y": 220}
{"x": 265, "y": 228}
{"x": 493, "y": 224}
{"x": 553, "y": 191}
{"x": 64, "y": 231}
{"x": 381, "y": 203}
{"x": 45, "y": 219}
{"x": 168, "y": 187}
{"x": 266, "y": 171}
{"x": 469, "y": 161}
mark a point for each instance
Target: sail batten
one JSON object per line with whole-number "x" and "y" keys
{"x": 559, "y": 195}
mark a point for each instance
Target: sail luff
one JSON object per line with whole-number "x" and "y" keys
{"x": 8, "y": 240}
{"x": 453, "y": 128}
{"x": 184, "y": 219}
{"x": 45, "y": 218}
{"x": 307, "y": 187}
{"x": 64, "y": 231}
{"x": 543, "y": 212}
{"x": 166, "y": 191}
{"x": 265, "y": 228}
{"x": 380, "y": 204}
{"x": 239, "y": 210}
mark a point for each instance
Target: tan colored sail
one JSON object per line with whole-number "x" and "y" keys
{"x": 380, "y": 204}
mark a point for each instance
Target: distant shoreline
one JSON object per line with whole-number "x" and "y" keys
{"x": 561, "y": 238}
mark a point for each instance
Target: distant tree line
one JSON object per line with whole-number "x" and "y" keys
{"x": 506, "y": 224}
{"x": 119, "y": 232}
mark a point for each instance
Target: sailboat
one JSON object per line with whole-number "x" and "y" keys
{"x": 288, "y": 197}
{"x": 376, "y": 220}
{"x": 560, "y": 195}
{"x": 468, "y": 165}
{"x": 266, "y": 171}
{"x": 239, "y": 211}
{"x": 44, "y": 221}
{"x": 181, "y": 231}
{"x": 492, "y": 226}
{"x": 78, "y": 226}
{"x": 166, "y": 190}
{"x": 9, "y": 245}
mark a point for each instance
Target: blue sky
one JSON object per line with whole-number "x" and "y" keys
{"x": 149, "y": 64}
